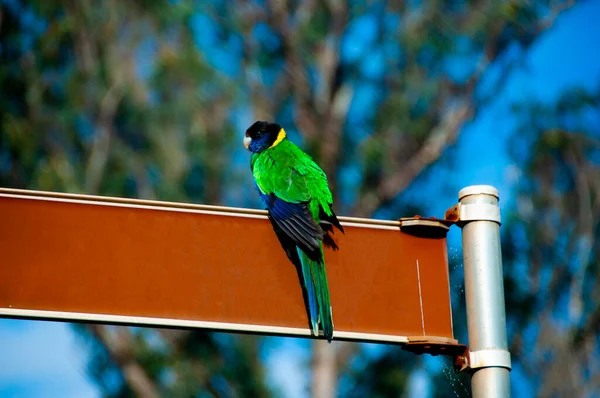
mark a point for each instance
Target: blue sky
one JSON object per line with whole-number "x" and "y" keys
{"x": 42, "y": 359}
{"x": 46, "y": 359}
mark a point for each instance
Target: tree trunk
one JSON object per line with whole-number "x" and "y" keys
{"x": 324, "y": 372}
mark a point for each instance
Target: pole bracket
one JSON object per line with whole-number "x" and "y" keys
{"x": 479, "y": 212}
{"x": 489, "y": 358}
{"x": 463, "y": 213}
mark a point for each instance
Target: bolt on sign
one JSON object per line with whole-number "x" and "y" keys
{"x": 114, "y": 260}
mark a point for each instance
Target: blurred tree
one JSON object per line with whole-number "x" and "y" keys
{"x": 114, "y": 98}
{"x": 144, "y": 99}
{"x": 552, "y": 246}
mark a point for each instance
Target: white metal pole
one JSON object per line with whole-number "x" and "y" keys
{"x": 489, "y": 359}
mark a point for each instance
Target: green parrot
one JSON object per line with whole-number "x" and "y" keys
{"x": 295, "y": 190}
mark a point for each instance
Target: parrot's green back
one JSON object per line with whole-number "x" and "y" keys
{"x": 297, "y": 195}
{"x": 293, "y": 176}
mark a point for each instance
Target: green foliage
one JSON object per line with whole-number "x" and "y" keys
{"x": 106, "y": 100}
{"x": 114, "y": 98}
{"x": 552, "y": 242}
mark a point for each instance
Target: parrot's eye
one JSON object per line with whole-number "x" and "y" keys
{"x": 260, "y": 133}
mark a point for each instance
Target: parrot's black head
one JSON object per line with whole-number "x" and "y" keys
{"x": 263, "y": 135}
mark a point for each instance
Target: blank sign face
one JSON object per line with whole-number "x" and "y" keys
{"x": 75, "y": 257}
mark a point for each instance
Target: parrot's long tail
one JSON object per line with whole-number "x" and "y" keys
{"x": 315, "y": 282}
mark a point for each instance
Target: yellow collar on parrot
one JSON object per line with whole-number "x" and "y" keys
{"x": 280, "y": 138}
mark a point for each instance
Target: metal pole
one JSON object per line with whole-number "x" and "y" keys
{"x": 489, "y": 359}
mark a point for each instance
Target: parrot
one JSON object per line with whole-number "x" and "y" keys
{"x": 299, "y": 202}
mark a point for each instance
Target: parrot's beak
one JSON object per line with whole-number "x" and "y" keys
{"x": 247, "y": 142}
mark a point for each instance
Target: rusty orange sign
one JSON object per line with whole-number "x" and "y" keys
{"x": 114, "y": 260}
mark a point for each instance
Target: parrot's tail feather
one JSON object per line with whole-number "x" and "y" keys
{"x": 330, "y": 218}
{"x": 328, "y": 240}
{"x": 310, "y": 291}
{"x": 327, "y": 222}
{"x": 315, "y": 282}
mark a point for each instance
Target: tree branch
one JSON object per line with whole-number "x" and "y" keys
{"x": 294, "y": 66}
{"x": 444, "y": 134}
{"x": 99, "y": 153}
{"x": 332, "y": 134}
{"x": 119, "y": 348}
{"x": 332, "y": 102}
